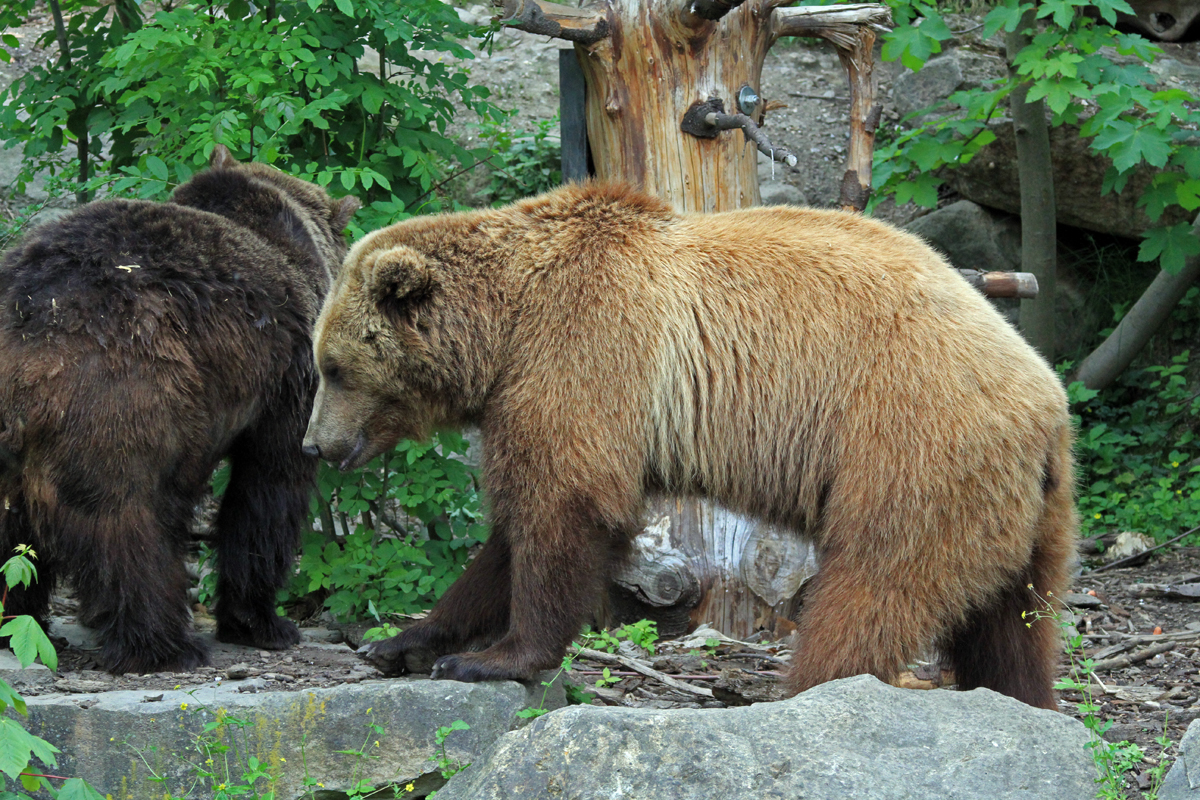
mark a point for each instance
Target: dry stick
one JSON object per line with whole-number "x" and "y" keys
{"x": 1129, "y": 660}
{"x": 637, "y": 666}
{"x": 1144, "y": 552}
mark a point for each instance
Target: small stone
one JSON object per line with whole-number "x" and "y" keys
{"x": 1077, "y": 600}
{"x": 152, "y": 698}
{"x": 238, "y": 671}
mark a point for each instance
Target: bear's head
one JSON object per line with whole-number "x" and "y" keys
{"x": 406, "y": 339}
{"x": 292, "y": 213}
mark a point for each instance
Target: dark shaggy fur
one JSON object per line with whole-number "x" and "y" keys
{"x": 140, "y": 343}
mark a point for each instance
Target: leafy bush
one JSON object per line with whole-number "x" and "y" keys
{"x": 525, "y": 164}
{"x": 18, "y": 747}
{"x": 367, "y": 563}
{"x": 1138, "y": 456}
{"x": 1089, "y": 74}
{"x": 280, "y": 83}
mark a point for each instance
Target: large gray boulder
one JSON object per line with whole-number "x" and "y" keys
{"x": 855, "y": 738}
{"x": 971, "y": 236}
{"x": 1183, "y": 781}
{"x": 122, "y": 742}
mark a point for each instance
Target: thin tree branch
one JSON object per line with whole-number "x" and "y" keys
{"x": 1151, "y": 310}
{"x": 638, "y": 666}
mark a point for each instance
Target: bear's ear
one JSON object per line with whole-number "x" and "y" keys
{"x": 401, "y": 283}
{"x": 341, "y": 212}
{"x": 221, "y": 158}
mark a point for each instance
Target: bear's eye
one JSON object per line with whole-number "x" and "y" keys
{"x": 333, "y": 373}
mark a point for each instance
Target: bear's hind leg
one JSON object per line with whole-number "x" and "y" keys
{"x": 994, "y": 648}
{"x": 473, "y": 611}
{"x": 852, "y": 623}
{"x": 132, "y": 588}
{"x": 258, "y": 528}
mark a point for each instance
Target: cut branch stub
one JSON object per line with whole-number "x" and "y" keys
{"x": 585, "y": 26}
{"x": 1021, "y": 285}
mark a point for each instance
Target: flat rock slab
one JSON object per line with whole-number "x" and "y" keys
{"x": 1183, "y": 781}
{"x": 123, "y": 741}
{"x": 854, "y": 738}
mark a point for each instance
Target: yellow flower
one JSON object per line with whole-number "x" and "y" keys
{"x": 1022, "y": 615}
{"x": 409, "y": 788}
{"x": 220, "y": 786}
{"x": 1029, "y": 586}
{"x": 183, "y": 706}
{"x": 377, "y": 743}
{"x": 1174, "y": 463}
{"x": 208, "y": 761}
{"x": 321, "y": 785}
{"x": 1097, "y": 516}
{"x": 282, "y": 760}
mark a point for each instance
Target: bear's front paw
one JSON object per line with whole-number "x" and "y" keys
{"x": 387, "y": 656}
{"x": 472, "y": 667}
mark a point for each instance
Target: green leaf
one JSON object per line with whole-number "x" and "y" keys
{"x": 1171, "y": 245}
{"x": 11, "y": 698}
{"x": 29, "y": 641}
{"x": 17, "y": 746}
{"x": 1128, "y": 145}
{"x": 345, "y": 6}
{"x": 157, "y": 167}
{"x": 78, "y": 789}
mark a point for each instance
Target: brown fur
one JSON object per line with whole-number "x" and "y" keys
{"x": 140, "y": 343}
{"x": 817, "y": 369}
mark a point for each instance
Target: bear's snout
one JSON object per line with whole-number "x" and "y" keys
{"x": 311, "y": 450}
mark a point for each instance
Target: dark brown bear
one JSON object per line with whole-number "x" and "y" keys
{"x": 139, "y": 344}
{"x": 820, "y": 370}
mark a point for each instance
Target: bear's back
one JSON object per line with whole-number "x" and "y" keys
{"x": 116, "y": 270}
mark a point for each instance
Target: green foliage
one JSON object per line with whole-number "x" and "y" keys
{"x": 367, "y": 571}
{"x": 524, "y": 164}
{"x": 1069, "y": 65}
{"x": 643, "y": 633}
{"x": 219, "y": 764}
{"x": 446, "y": 765}
{"x": 1112, "y": 760}
{"x": 279, "y": 83}
{"x": 18, "y": 747}
{"x": 1138, "y": 457}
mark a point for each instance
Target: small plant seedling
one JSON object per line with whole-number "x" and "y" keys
{"x": 446, "y": 765}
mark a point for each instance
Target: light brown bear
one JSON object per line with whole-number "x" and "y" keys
{"x": 818, "y": 369}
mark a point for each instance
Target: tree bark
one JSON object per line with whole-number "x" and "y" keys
{"x": 658, "y": 61}
{"x": 1038, "y": 234}
{"x": 1151, "y": 310}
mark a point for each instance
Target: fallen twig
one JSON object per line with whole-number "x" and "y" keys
{"x": 1133, "y": 658}
{"x": 1137, "y": 556}
{"x": 649, "y": 672}
{"x": 1167, "y": 591}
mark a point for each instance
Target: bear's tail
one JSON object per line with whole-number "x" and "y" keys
{"x": 1002, "y": 645}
